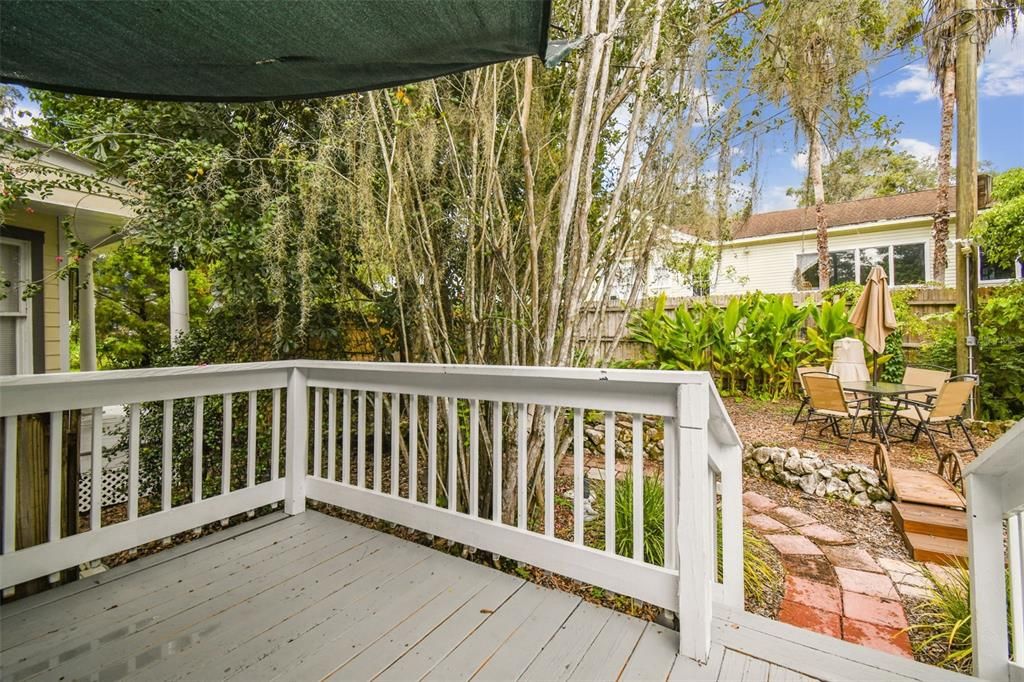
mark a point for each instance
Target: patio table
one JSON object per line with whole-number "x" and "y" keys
{"x": 876, "y": 391}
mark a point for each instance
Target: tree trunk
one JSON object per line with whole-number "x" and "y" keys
{"x": 940, "y": 226}
{"x": 818, "y": 185}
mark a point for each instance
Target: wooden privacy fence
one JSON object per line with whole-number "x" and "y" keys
{"x": 425, "y": 446}
{"x": 927, "y": 301}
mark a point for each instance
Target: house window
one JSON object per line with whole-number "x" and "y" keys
{"x": 903, "y": 264}
{"x": 15, "y": 314}
{"x": 989, "y": 272}
{"x": 908, "y": 264}
{"x": 843, "y": 266}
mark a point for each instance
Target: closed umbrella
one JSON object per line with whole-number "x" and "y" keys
{"x": 874, "y": 315}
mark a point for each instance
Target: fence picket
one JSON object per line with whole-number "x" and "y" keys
{"x": 549, "y": 471}
{"x": 521, "y": 465}
{"x": 432, "y": 451}
{"x": 396, "y": 433}
{"x": 474, "y": 457}
{"x": 496, "y": 465}
{"x": 414, "y": 441}
{"x": 361, "y": 441}
{"x": 275, "y": 435}
{"x": 577, "y": 476}
{"x": 638, "y": 487}
{"x": 10, "y": 482}
{"x": 56, "y": 429}
{"x": 250, "y": 458}
{"x": 167, "y": 445}
{"x": 318, "y": 432}
{"x": 225, "y": 446}
{"x": 332, "y": 434}
{"x": 609, "y": 482}
{"x": 197, "y": 449}
{"x": 133, "y": 462}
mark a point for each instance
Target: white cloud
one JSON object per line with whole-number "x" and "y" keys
{"x": 774, "y": 198}
{"x": 1002, "y": 72}
{"x": 925, "y": 151}
{"x": 917, "y": 81}
{"x": 799, "y": 161}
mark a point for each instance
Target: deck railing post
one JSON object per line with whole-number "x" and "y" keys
{"x": 296, "y": 442}
{"x": 987, "y": 566}
{"x": 694, "y": 542}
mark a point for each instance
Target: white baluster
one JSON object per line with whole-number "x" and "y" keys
{"x": 432, "y": 451}
{"x": 638, "y": 487}
{"x": 609, "y": 482}
{"x": 332, "y": 434}
{"x": 167, "y": 445}
{"x": 250, "y": 459}
{"x": 549, "y": 471}
{"x": 396, "y": 437}
{"x": 226, "y": 438}
{"x": 197, "y": 449}
{"x": 414, "y": 441}
{"x": 521, "y": 465}
{"x": 496, "y": 465}
{"x": 474, "y": 457}
{"x": 577, "y": 476}
{"x": 133, "y": 462}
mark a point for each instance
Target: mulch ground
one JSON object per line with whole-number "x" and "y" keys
{"x": 771, "y": 423}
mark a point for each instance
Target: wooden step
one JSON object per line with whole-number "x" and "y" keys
{"x": 925, "y": 487}
{"x": 928, "y": 520}
{"x": 935, "y": 549}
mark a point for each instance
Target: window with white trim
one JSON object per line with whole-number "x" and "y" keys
{"x": 15, "y": 314}
{"x": 990, "y": 273}
{"x": 903, "y": 264}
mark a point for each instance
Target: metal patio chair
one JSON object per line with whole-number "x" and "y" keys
{"x": 938, "y": 415}
{"x": 827, "y": 400}
{"x": 804, "y": 400}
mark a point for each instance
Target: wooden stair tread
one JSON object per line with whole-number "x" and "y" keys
{"x": 925, "y": 487}
{"x": 935, "y": 549}
{"x": 929, "y": 520}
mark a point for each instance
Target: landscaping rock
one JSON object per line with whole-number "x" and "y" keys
{"x": 856, "y": 483}
{"x": 750, "y": 467}
{"x": 794, "y": 464}
{"x": 815, "y": 475}
{"x": 825, "y": 472}
{"x": 820, "y": 490}
{"x": 778, "y": 456}
{"x": 762, "y": 455}
{"x": 877, "y": 494}
{"x": 883, "y": 506}
{"x": 861, "y": 500}
{"x": 809, "y": 483}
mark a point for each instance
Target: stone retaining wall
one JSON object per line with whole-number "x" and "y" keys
{"x": 815, "y": 475}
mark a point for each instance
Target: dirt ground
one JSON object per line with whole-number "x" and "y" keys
{"x": 771, "y": 423}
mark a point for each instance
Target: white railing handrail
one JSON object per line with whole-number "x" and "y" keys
{"x": 701, "y": 451}
{"x": 994, "y": 484}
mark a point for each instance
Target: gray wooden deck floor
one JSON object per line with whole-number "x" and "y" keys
{"x": 312, "y": 597}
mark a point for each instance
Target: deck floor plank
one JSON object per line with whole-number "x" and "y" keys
{"x": 560, "y": 656}
{"x": 445, "y": 638}
{"x": 83, "y": 604}
{"x": 197, "y": 613}
{"x": 654, "y": 655}
{"x": 520, "y": 649}
{"x": 311, "y": 596}
{"x": 610, "y": 651}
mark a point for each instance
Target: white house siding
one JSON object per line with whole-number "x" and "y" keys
{"x": 769, "y": 263}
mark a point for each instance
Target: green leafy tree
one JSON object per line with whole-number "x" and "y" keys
{"x": 133, "y": 306}
{"x": 1000, "y": 230}
{"x": 812, "y": 53}
{"x": 865, "y": 172}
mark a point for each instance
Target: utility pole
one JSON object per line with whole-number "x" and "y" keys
{"x": 966, "y": 185}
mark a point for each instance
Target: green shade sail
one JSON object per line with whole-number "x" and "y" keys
{"x": 244, "y": 50}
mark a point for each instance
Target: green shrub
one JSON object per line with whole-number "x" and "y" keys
{"x": 758, "y": 575}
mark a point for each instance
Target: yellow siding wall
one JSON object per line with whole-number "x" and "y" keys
{"x": 47, "y": 224}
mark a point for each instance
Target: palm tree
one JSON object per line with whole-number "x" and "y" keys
{"x": 939, "y": 37}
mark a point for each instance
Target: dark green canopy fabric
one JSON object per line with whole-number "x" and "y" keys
{"x": 241, "y": 50}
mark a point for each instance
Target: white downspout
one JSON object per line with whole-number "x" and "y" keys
{"x": 179, "y": 300}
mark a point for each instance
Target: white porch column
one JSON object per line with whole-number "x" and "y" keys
{"x": 86, "y": 315}
{"x": 179, "y": 303}
{"x": 64, "y": 303}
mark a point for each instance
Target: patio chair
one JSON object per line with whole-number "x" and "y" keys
{"x": 932, "y": 377}
{"x": 934, "y": 416}
{"x": 827, "y": 400}
{"x": 800, "y": 372}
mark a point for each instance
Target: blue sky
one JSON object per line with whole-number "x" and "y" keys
{"x": 901, "y": 88}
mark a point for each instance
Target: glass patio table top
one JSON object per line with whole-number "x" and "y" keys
{"x": 884, "y": 388}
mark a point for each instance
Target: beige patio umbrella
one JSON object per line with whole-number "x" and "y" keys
{"x": 874, "y": 315}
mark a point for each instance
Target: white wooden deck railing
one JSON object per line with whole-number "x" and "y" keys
{"x": 380, "y": 439}
{"x": 995, "y": 502}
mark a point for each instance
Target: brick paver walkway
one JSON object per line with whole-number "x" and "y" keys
{"x": 832, "y": 587}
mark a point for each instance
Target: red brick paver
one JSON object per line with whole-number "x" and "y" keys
{"x": 809, "y": 618}
{"x": 815, "y": 594}
{"x": 792, "y": 544}
{"x": 863, "y": 582}
{"x": 874, "y": 610}
{"x": 765, "y": 524}
{"x": 832, "y": 587}
{"x": 893, "y": 640}
{"x": 758, "y": 502}
{"x": 792, "y": 517}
